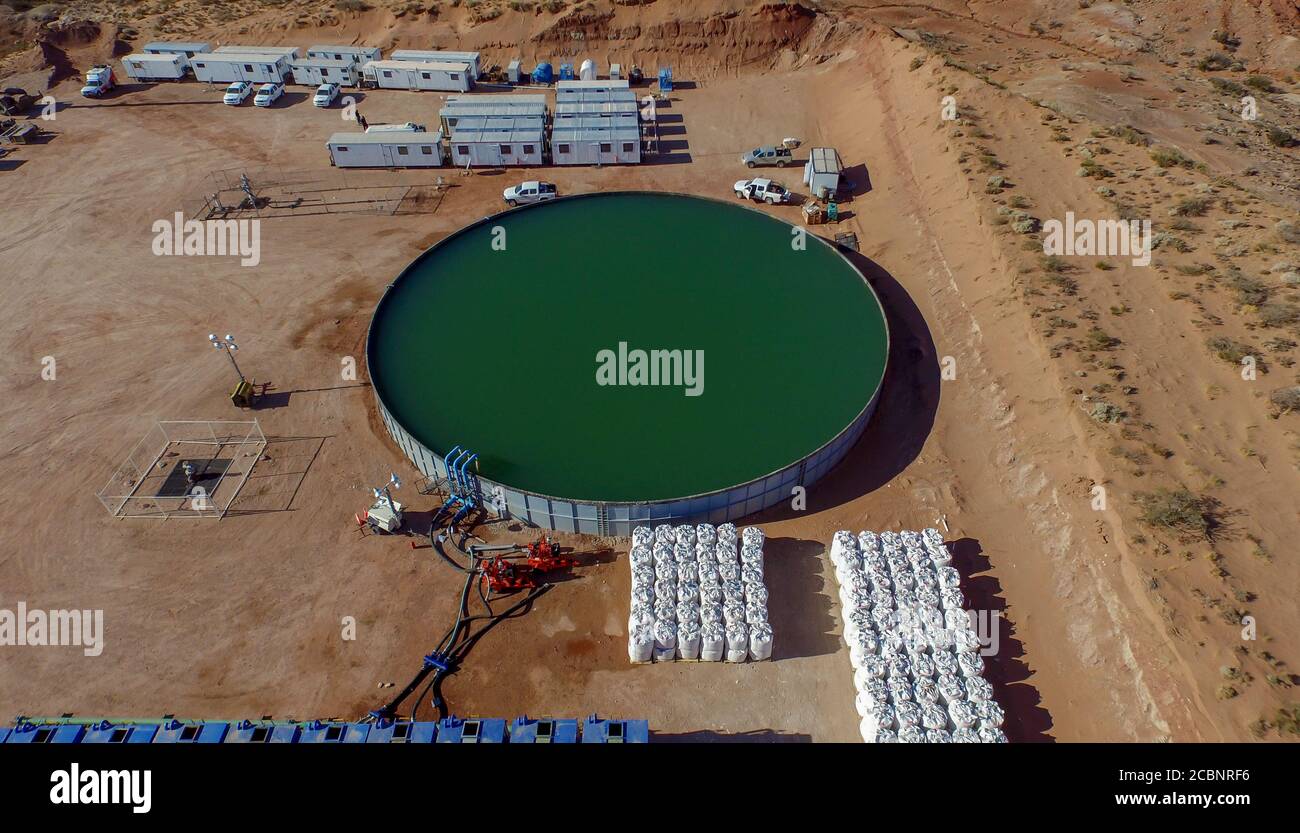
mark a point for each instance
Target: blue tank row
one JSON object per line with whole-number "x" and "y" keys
{"x": 451, "y": 730}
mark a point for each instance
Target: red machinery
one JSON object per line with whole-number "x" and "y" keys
{"x": 503, "y": 575}
{"x": 544, "y": 556}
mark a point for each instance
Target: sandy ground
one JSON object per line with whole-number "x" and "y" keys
{"x": 1104, "y": 637}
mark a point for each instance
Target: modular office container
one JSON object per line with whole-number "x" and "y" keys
{"x": 594, "y": 86}
{"x": 289, "y": 51}
{"x": 588, "y": 141}
{"x": 186, "y": 49}
{"x": 498, "y": 140}
{"x": 316, "y": 71}
{"x": 386, "y": 149}
{"x": 415, "y": 75}
{"x": 156, "y": 67}
{"x": 358, "y": 55}
{"x": 439, "y": 56}
{"x": 227, "y": 67}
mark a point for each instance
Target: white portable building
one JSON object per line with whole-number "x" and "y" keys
{"x": 515, "y": 71}
{"x": 317, "y": 71}
{"x": 439, "y": 56}
{"x": 391, "y": 149}
{"x": 498, "y": 140}
{"x": 225, "y": 67}
{"x": 576, "y": 142}
{"x": 416, "y": 75}
{"x": 606, "y": 109}
{"x": 358, "y": 55}
{"x": 186, "y": 49}
{"x": 291, "y": 51}
{"x": 592, "y": 86}
{"x": 822, "y": 172}
{"x": 154, "y": 67}
{"x": 457, "y": 107}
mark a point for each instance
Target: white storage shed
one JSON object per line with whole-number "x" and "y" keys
{"x": 497, "y": 140}
{"x": 822, "y": 172}
{"x": 225, "y": 67}
{"x": 416, "y": 75}
{"x": 154, "y": 67}
{"x": 186, "y": 49}
{"x": 577, "y": 142}
{"x": 317, "y": 71}
{"x": 392, "y": 149}
{"x": 359, "y": 55}
{"x": 439, "y": 56}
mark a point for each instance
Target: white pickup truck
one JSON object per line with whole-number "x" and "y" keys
{"x": 531, "y": 191}
{"x": 762, "y": 190}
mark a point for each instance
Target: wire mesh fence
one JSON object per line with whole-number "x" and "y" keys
{"x": 184, "y": 468}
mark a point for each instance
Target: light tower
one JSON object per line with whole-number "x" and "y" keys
{"x": 229, "y": 346}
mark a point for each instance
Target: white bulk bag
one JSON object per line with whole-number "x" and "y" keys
{"x": 990, "y": 714}
{"x": 934, "y": 717}
{"x": 665, "y": 640}
{"x": 911, "y": 734}
{"x": 753, "y": 535}
{"x": 970, "y": 664}
{"x": 950, "y": 689}
{"x": 937, "y": 736}
{"x": 925, "y": 691}
{"x": 737, "y": 642}
{"x": 713, "y": 641}
{"x": 965, "y": 735}
{"x": 641, "y": 644}
{"x": 991, "y": 735}
{"x": 688, "y": 641}
{"x": 978, "y": 688}
{"x": 760, "y": 642}
{"x": 963, "y": 714}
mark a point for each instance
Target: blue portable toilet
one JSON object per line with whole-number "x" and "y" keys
{"x": 402, "y": 731}
{"x": 106, "y": 732}
{"x": 666, "y": 79}
{"x": 472, "y": 730}
{"x": 566, "y": 72}
{"x": 174, "y": 731}
{"x": 543, "y": 73}
{"x": 246, "y": 731}
{"x": 47, "y": 733}
{"x": 599, "y": 730}
{"x": 543, "y": 730}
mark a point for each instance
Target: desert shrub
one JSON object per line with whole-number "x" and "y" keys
{"x": 1099, "y": 339}
{"x": 1170, "y": 158}
{"x": 1214, "y": 62}
{"x": 1227, "y": 87}
{"x": 1192, "y": 207}
{"x": 1259, "y": 82}
{"x": 1228, "y": 349}
{"x": 1279, "y": 314}
{"x": 1286, "y": 400}
{"x": 1249, "y": 290}
{"x": 1180, "y": 511}
{"x": 1278, "y": 137}
{"x": 1129, "y": 134}
{"x": 352, "y": 5}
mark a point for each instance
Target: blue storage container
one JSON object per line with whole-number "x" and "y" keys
{"x": 472, "y": 730}
{"x": 402, "y": 731}
{"x": 599, "y": 730}
{"x": 666, "y": 79}
{"x": 106, "y": 732}
{"x": 566, "y": 72}
{"x": 47, "y": 733}
{"x": 543, "y": 73}
{"x": 248, "y": 731}
{"x": 175, "y": 731}
{"x": 543, "y": 730}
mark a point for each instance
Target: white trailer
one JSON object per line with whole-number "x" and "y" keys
{"x": 316, "y": 71}
{"x": 589, "y": 87}
{"x": 154, "y": 67}
{"x": 186, "y": 49}
{"x": 388, "y": 149}
{"x": 497, "y": 141}
{"x": 227, "y": 67}
{"x": 439, "y": 56}
{"x": 291, "y": 51}
{"x": 458, "y": 107}
{"x": 606, "y": 109}
{"x": 822, "y": 172}
{"x": 414, "y": 75}
{"x": 594, "y": 145}
{"x": 359, "y": 55}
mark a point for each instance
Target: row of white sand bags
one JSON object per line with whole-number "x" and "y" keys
{"x": 698, "y": 594}
{"x": 917, "y": 667}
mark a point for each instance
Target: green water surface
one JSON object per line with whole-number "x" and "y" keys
{"x": 495, "y": 350}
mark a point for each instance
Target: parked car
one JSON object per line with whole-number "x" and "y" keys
{"x": 325, "y": 95}
{"x": 763, "y": 190}
{"x": 237, "y": 92}
{"x": 531, "y": 191}
{"x": 767, "y": 156}
{"x": 267, "y": 94}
